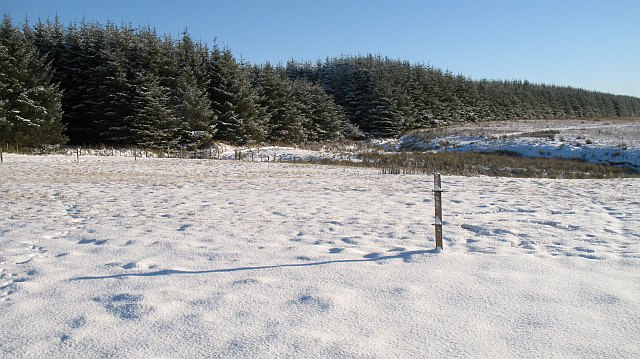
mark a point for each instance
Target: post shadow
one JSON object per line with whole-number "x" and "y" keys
{"x": 373, "y": 257}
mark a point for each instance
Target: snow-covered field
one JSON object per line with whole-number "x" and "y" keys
{"x": 607, "y": 141}
{"x": 112, "y": 257}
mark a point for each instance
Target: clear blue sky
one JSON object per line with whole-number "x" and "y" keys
{"x": 591, "y": 44}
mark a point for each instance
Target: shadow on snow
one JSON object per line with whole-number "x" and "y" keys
{"x": 372, "y": 257}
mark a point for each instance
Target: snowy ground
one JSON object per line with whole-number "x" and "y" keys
{"x": 608, "y": 141}
{"x": 112, "y": 257}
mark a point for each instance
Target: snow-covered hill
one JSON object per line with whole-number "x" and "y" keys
{"x": 112, "y": 257}
{"x": 615, "y": 142}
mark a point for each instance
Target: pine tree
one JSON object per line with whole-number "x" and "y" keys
{"x": 284, "y": 120}
{"x": 350, "y": 86}
{"x": 383, "y": 118}
{"x": 30, "y": 105}
{"x": 322, "y": 119}
{"x": 238, "y": 118}
{"x": 80, "y": 81}
{"x": 48, "y": 37}
{"x": 116, "y": 89}
{"x": 5, "y": 125}
{"x": 125, "y": 86}
{"x": 153, "y": 124}
{"x": 190, "y": 101}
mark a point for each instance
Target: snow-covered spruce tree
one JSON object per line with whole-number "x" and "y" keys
{"x": 322, "y": 119}
{"x": 5, "y": 125}
{"x": 305, "y": 70}
{"x": 238, "y": 118}
{"x": 107, "y": 89}
{"x": 383, "y": 118}
{"x": 190, "y": 102}
{"x": 350, "y": 83}
{"x": 284, "y": 120}
{"x": 153, "y": 124}
{"x": 79, "y": 66}
{"x": 48, "y": 37}
{"x": 192, "y": 110}
{"x": 116, "y": 87}
{"x": 30, "y": 103}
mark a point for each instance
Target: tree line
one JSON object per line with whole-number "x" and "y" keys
{"x": 93, "y": 84}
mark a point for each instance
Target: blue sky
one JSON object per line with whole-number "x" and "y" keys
{"x": 591, "y": 44}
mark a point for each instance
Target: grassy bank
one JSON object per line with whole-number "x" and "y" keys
{"x": 501, "y": 164}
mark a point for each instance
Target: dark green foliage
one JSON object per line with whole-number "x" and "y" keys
{"x": 5, "y": 125}
{"x": 153, "y": 124}
{"x": 190, "y": 101}
{"x": 119, "y": 82}
{"x": 385, "y": 97}
{"x": 116, "y": 90}
{"x": 233, "y": 100}
{"x": 30, "y": 107}
{"x": 284, "y": 120}
{"x": 123, "y": 86}
{"x": 321, "y": 118}
{"x": 80, "y": 81}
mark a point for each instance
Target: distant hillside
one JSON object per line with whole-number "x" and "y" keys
{"x": 386, "y": 97}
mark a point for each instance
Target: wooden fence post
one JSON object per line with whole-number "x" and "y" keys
{"x": 437, "y": 194}
{"x": 78, "y": 154}
{"x": 1, "y": 159}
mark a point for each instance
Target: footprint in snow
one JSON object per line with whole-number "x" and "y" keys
{"x": 348, "y": 240}
{"x": 583, "y": 249}
{"x": 96, "y": 242}
{"x": 481, "y": 231}
{"x": 56, "y": 235}
{"x": 129, "y": 265}
{"x": 184, "y": 227}
{"x": 9, "y": 283}
{"x": 528, "y": 244}
{"x": 482, "y": 250}
{"x": 78, "y": 322}
{"x": 312, "y": 302}
{"x": 65, "y": 338}
{"x": 245, "y": 281}
{"x": 586, "y": 256}
{"x": 124, "y": 306}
